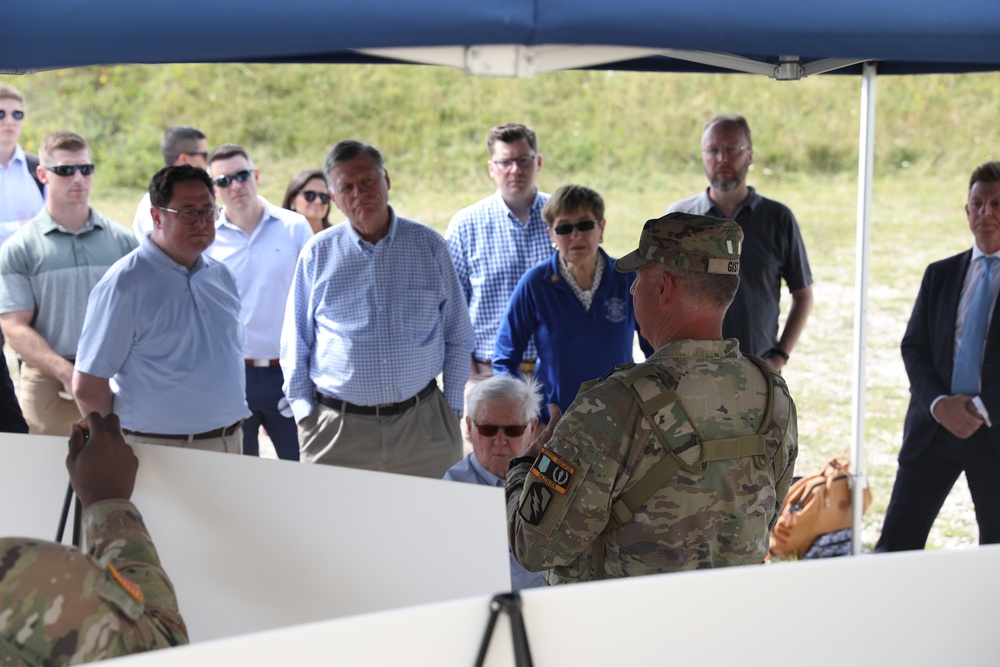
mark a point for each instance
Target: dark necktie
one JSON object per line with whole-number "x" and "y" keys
{"x": 965, "y": 378}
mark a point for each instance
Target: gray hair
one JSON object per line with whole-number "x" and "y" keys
{"x": 504, "y": 388}
{"x": 347, "y": 150}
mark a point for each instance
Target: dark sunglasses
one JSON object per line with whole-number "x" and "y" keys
{"x": 18, "y": 115}
{"x": 583, "y": 226}
{"x": 67, "y": 170}
{"x": 310, "y": 196}
{"x": 201, "y": 153}
{"x": 490, "y": 430}
{"x": 239, "y": 177}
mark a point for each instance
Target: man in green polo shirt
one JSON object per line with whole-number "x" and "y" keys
{"x": 47, "y": 269}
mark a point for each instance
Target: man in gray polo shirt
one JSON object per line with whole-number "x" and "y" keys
{"x": 47, "y": 270}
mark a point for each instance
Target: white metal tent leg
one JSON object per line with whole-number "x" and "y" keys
{"x": 866, "y": 152}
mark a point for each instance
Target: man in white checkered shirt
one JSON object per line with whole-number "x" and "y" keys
{"x": 494, "y": 241}
{"x": 374, "y": 315}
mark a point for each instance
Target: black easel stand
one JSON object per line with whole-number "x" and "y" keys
{"x": 77, "y": 518}
{"x": 510, "y": 603}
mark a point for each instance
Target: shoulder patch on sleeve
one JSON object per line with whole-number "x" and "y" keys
{"x": 535, "y": 503}
{"x": 552, "y": 471}
{"x": 130, "y": 586}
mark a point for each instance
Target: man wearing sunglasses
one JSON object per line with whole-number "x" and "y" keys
{"x": 165, "y": 324}
{"x": 772, "y": 249}
{"x": 22, "y": 196}
{"x": 681, "y": 462}
{"x": 501, "y": 414}
{"x": 181, "y": 144}
{"x": 496, "y": 240}
{"x": 47, "y": 269}
{"x": 259, "y": 242}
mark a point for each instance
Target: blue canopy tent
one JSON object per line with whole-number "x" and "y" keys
{"x": 782, "y": 39}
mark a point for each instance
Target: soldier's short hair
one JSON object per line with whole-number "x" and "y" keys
{"x": 732, "y": 118}
{"x": 179, "y": 139}
{"x": 60, "y": 141}
{"x": 572, "y": 198}
{"x": 161, "y": 186}
{"x": 226, "y": 151}
{"x": 504, "y": 388}
{"x": 9, "y": 92}
{"x": 508, "y": 133}
{"x": 715, "y": 289}
{"x": 988, "y": 172}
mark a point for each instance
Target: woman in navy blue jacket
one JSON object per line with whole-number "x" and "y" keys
{"x": 575, "y": 304}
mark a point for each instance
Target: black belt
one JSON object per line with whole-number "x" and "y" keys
{"x": 215, "y": 433}
{"x": 386, "y": 410}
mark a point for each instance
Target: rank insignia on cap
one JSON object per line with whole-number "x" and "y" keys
{"x": 130, "y": 586}
{"x": 552, "y": 471}
{"x": 535, "y": 503}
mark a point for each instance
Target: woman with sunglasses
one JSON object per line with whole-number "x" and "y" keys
{"x": 575, "y": 304}
{"x": 307, "y": 194}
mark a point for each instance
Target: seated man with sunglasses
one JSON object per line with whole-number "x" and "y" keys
{"x": 574, "y": 305}
{"x": 181, "y": 144}
{"x": 260, "y": 243}
{"x": 47, "y": 269}
{"x": 501, "y": 413}
{"x": 165, "y": 324}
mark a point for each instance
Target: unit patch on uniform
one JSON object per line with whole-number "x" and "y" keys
{"x": 130, "y": 586}
{"x": 552, "y": 471}
{"x": 535, "y": 503}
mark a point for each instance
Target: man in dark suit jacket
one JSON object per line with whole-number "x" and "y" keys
{"x": 946, "y": 433}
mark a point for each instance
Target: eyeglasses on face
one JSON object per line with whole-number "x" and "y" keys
{"x": 511, "y": 431}
{"x": 17, "y": 114}
{"x": 310, "y": 196}
{"x": 729, "y": 151}
{"x": 583, "y": 226}
{"x": 240, "y": 177}
{"x": 67, "y": 170}
{"x": 522, "y": 162}
{"x": 190, "y": 216}
{"x": 204, "y": 154}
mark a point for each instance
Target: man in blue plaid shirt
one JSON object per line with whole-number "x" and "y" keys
{"x": 374, "y": 315}
{"x": 494, "y": 241}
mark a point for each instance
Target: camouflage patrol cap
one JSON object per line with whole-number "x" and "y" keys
{"x": 695, "y": 242}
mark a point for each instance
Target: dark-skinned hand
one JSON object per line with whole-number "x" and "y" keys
{"x": 101, "y": 466}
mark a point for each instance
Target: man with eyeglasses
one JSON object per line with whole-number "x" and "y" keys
{"x": 47, "y": 269}
{"x": 772, "y": 248}
{"x": 260, "y": 243}
{"x": 165, "y": 324}
{"x": 501, "y": 414}
{"x": 374, "y": 316}
{"x": 496, "y": 240}
{"x": 181, "y": 144}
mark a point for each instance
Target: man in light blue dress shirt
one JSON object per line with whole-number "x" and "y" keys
{"x": 374, "y": 316}
{"x": 501, "y": 415}
{"x": 164, "y": 322}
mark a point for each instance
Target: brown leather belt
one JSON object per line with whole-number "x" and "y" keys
{"x": 216, "y": 433}
{"x": 385, "y": 410}
{"x": 262, "y": 363}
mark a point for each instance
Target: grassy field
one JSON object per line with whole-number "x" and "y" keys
{"x": 633, "y": 137}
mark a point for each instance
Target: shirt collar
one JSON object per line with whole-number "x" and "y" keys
{"x": 265, "y": 216}
{"x": 161, "y": 262}
{"x": 977, "y": 253}
{"x": 705, "y": 203}
{"x": 47, "y": 224}
{"x": 361, "y": 243}
{"x": 535, "y": 211}
{"x": 484, "y": 473}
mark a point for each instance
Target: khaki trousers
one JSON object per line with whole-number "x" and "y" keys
{"x": 44, "y": 410}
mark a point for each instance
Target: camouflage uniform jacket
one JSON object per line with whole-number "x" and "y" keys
{"x": 711, "y": 514}
{"x": 59, "y": 606}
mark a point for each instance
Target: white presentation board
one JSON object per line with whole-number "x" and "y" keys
{"x": 933, "y": 608}
{"x": 254, "y": 544}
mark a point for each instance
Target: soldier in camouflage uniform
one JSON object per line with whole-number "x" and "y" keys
{"x": 718, "y": 427}
{"x": 59, "y": 606}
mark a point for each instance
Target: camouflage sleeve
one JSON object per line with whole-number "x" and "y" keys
{"x": 784, "y": 462}
{"x": 558, "y": 506}
{"x": 116, "y": 535}
{"x": 59, "y": 606}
